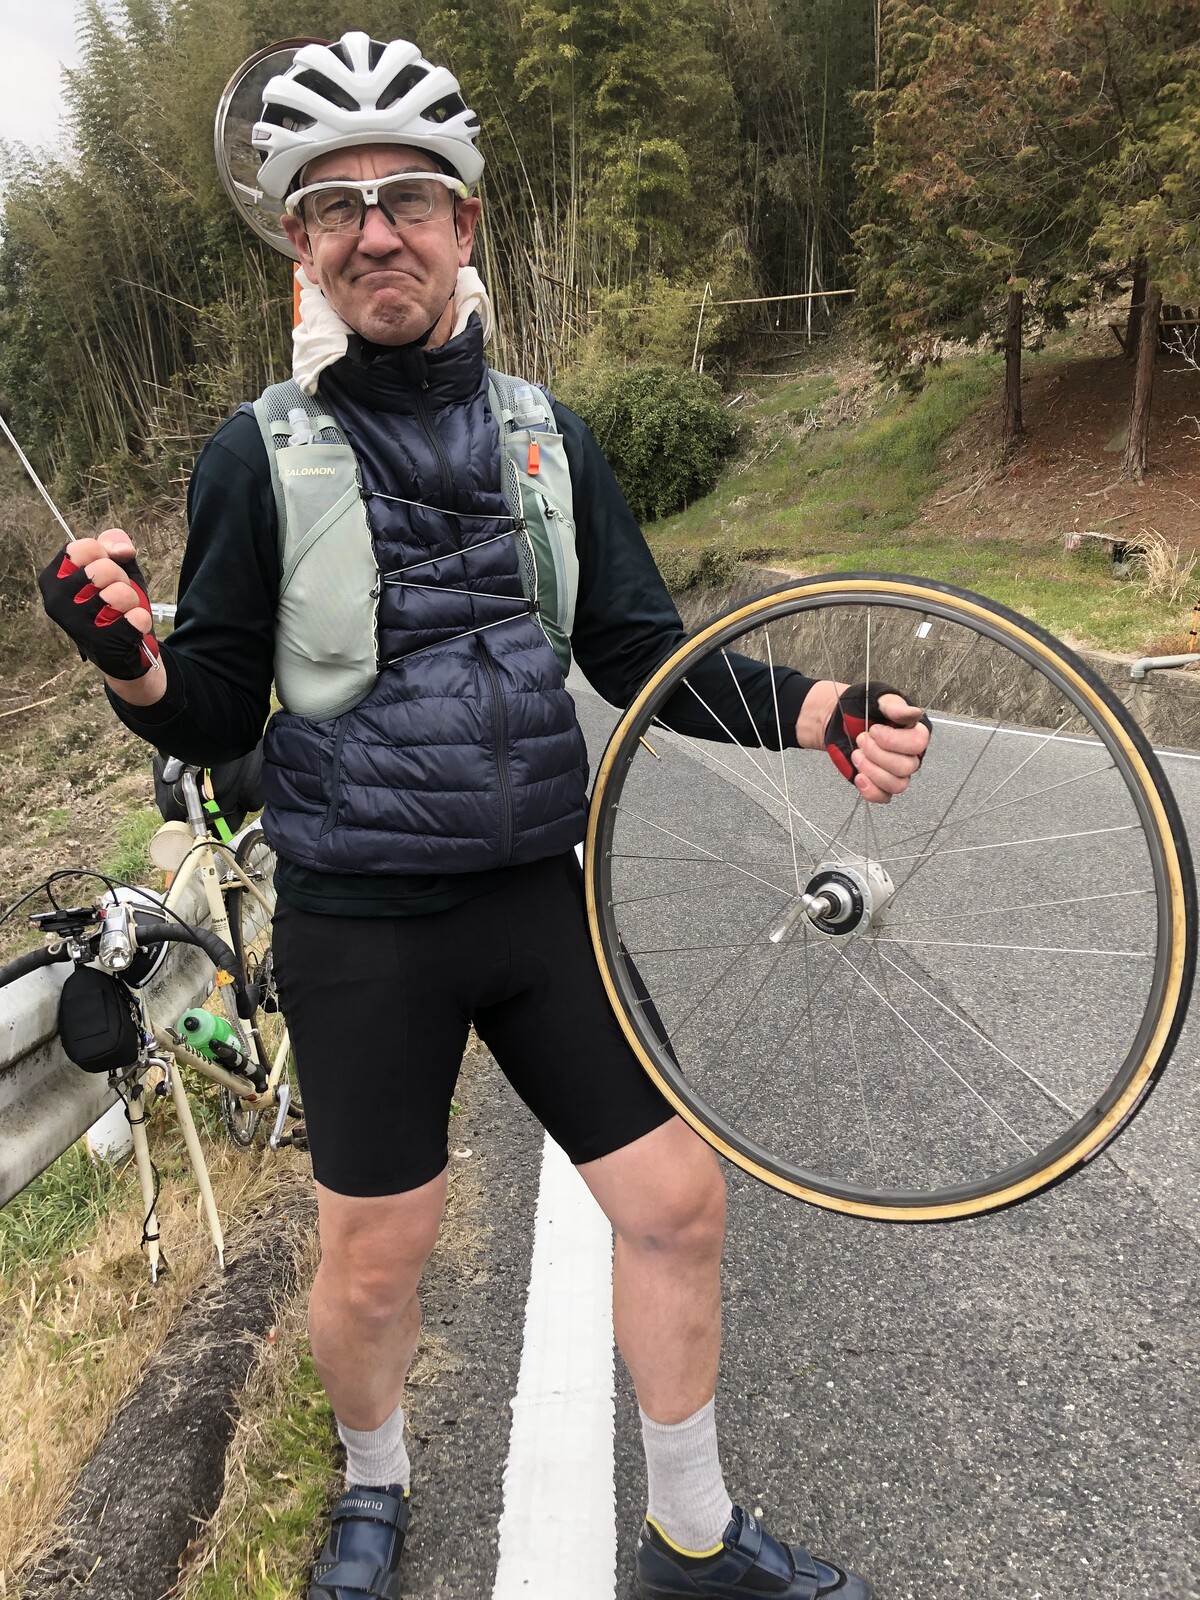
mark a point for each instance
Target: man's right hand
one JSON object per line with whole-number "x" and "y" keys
{"x": 96, "y": 594}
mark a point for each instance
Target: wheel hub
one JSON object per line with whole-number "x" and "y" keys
{"x": 840, "y": 897}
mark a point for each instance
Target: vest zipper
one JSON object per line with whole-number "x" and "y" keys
{"x": 439, "y": 448}
{"x": 499, "y": 710}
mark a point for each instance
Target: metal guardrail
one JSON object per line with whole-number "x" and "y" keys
{"x": 46, "y": 1101}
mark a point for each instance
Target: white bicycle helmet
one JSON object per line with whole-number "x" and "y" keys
{"x": 358, "y": 91}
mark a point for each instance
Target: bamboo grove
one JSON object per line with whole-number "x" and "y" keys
{"x": 642, "y": 155}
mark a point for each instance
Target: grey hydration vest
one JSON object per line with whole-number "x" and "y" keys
{"x": 326, "y": 655}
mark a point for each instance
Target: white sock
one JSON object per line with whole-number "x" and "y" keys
{"x": 687, "y": 1495}
{"x": 376, "y": 1457}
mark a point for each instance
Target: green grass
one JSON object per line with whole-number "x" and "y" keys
{"x": 849, "y": 498}
{"x": 129, "y": 861}
{"x": 59, "y": 1210}
{"x": 290, "y": 1479}
{"x": 793, "y": 399}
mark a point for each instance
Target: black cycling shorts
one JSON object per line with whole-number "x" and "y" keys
{"x": 378, "y": 1010}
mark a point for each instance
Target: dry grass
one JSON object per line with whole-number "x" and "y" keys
{"x": 282, "y": 1470}
{"x": 77, "y": 1336}
{"x": 1165, "y": 570}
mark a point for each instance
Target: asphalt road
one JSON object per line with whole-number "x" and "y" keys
{"x": 1003, "y": 1408}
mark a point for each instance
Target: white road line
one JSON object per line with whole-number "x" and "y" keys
{"x": 558, "y": 1531}
{"x": 1038, "y": 733}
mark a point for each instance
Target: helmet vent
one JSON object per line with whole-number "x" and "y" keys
{"x": 375, "y": 54}
{"x": 285, "y": 117}
{"x": 400, "y": 86}
{"x": 327, "y": 89}
{"x": 451, "y": 106}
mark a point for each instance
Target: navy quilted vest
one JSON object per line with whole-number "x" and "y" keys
{"x": 466, "y": 754}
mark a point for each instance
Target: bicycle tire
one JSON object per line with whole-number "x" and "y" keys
{"x": 1024, "y": 704}
{"x": 250, "y": 927}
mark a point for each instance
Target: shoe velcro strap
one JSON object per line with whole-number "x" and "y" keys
{"x": 766, "y": 1554}
{"x": 750, "y": 1538}
{"x": 365, "y": 1505}
{"x": 355, "y": 1577}
{"x": 805, "y": 1567}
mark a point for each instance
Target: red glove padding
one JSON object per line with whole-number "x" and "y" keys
{"x": 851, "y": 716}
{"x": 103, "y": 634}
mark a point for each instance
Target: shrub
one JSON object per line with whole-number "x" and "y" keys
{"x": 665, "y": 431}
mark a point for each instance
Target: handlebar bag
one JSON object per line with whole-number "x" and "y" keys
{"x": 97, "y": 1023}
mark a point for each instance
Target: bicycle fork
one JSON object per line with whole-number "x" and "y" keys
{"x": 172, "y": 1082}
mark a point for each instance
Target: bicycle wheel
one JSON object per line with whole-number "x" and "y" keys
{"x": 250, "y": 925}
{"x": 915, "y": 1011}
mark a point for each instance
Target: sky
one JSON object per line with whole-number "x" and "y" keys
{"x": 37, "y": 39}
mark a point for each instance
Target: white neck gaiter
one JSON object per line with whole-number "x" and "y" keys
{"x": 319, "y": 338}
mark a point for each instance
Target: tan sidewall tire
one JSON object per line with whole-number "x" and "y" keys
{"x": 1104, "y": 714}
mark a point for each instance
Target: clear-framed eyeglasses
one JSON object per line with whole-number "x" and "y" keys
{"x": 404, "y": 198}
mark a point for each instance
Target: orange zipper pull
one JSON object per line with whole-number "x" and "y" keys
{"x": 533, "y": 463}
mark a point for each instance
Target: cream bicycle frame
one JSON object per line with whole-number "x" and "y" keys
{"x": 213, "y": 863}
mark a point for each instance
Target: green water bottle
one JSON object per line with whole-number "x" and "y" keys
{"x": 213, "y": 1038}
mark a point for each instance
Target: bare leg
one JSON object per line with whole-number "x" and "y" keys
{"x": 363, "y": 1313}
{"x": 665, "y": 1197}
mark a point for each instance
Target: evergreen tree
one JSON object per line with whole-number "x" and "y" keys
{"x": 1147, "y": 189}
{"x": 975, "y": 207}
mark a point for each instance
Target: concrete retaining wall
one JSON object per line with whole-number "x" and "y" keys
{"x": 1166, "y": 704}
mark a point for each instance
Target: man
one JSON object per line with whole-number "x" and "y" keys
{"x": 425, "y": 830}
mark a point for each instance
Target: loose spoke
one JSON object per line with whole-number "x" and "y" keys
{"x": 928, "y": 853}
{"x": 739, "y": 952}
{"x": 768, "y": 1065}
{"x": 812, "y": 1047}
{"x": 1013, "y": 800}
{"x": 952, "y": 672}
{"x": 1021, "y": 765}
{"x": 738, "y": 1020}
{"x": 685, "y": 949}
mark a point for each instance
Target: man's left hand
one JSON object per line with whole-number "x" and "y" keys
{"x": 882, "y": 757}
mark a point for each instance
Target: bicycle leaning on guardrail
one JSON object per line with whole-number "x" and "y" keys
{"x": 107, "y": 1022}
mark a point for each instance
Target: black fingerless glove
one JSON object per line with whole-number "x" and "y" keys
{"x": 102, "y": 633}
{"x": 851, "y": 716}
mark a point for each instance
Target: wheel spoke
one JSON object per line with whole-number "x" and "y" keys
{"x": 1009, "y": 844}
{"x": 1030, "y": 905}
{"x": 779, "y": 793}
{"x": 1022, "y": 949}
{"x": 723, "y": 860}
{"x": 879, "y": 1062}
{"x": 1042, "y": 1088}
{"x": 954, "y": 1072}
